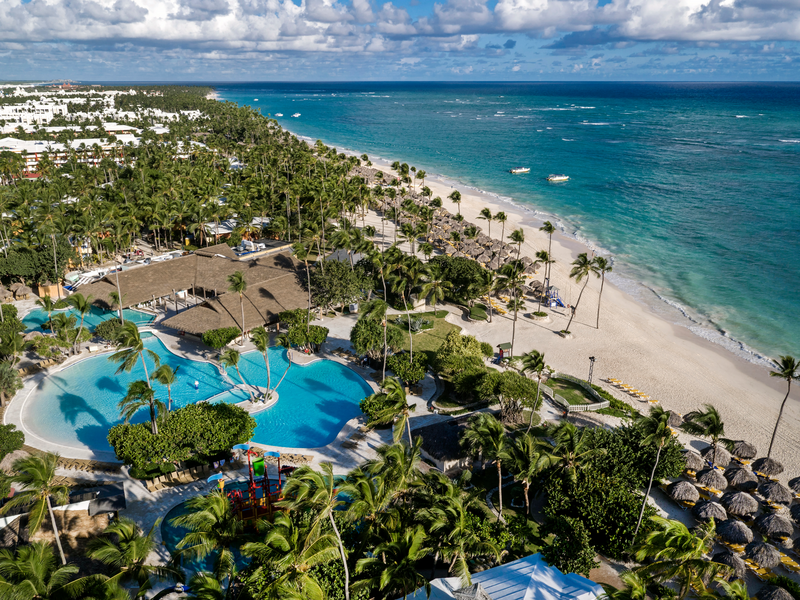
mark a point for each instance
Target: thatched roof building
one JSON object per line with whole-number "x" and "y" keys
{"x": 441, "y": 444}
{"x": 274, "y": 283}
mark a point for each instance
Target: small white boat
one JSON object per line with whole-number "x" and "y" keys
{"x": 296, "y": 115}
{"x": 556, "y": 178}
{"x": 278, "y": 114}
{"x": 255, "y": 99}
{"x": 520, "y": 170}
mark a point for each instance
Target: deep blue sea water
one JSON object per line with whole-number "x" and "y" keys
{"x": 694, "y": 189}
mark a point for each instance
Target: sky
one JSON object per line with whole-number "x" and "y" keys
{"x": 413, "y": 40}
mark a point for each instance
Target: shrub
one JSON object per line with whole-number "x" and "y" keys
{"x": 47, "y": 347}
{"x": 487, "y": 349}
{"x": 109, "y": 329}
{"x": 10, "y": 382}
{"x": 462, "y": 273}
{"x": 367, "y": 338}
{"x": 298, "y": 316}
{"x": 458, "y": 352}
{"x": 11, "y": 324}
{"x": 11, "y": 440}
{"x": 570, "y": 551}
{"x": 219, "y": 338}
{"x": 617, "y": 405}
{"x": 317, "y": 334}
{"x": 540, "y": 313}
{"x": 199, "y": 431}
{"x": 465, "y": 382}
{"x": 409, "y": 372}
{"x": 415, "y": 324}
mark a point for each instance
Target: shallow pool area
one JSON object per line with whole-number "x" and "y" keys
{"x": 34, "y": 320}
{"x": 75, "y": 407}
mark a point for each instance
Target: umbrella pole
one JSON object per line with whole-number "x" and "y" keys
{"x": 280, "y": 485}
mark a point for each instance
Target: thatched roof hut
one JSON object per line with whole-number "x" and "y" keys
{"x": 722, "y": 457}
{"x": 744, "y": 449}
{"x": 739, "y": 503}
{"x": 735, "y": 531}
{"x": 767, "y": 466}
{"x": 22, "y": 292}
{"x": 733, "y": 561}
{"x": 774, "y": 525}
{"x": 15, "y": 286}
{"x": 775, "y": 492}
{"x": 773, "y": 592}
{"x": 765, "y": 555}
{"x": 32, "y": 335}
{"x": 795, "y": 512}
{"x": 441, "y": 443}
{"x": 693, "y": 460}
{"x": 794, "y": 485}
{"x": 741, "y": 479}
{"x": 712, "y": 478}
{"x": 707, "y": 510}
{"x": 683, "y": 491}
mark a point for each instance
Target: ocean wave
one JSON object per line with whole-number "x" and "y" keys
{"x": 790, "y": 141}
{"x": 742, "y": 117}
{"x": 567, "y": 140}
{"x": 585, "y": 123}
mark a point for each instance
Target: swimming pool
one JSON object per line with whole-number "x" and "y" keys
{"x": 34, "y": 320}
{"x": 76, "y": 406}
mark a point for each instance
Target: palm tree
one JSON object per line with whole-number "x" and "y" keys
{"x": 572, "y": 449}
{"x": 123, "y": 547}
{"x": 526, "y": 458}
{"x": 15, "y": 345}
{"x": 397, "y": 409}
{"x": 455, "y": 196}
{"x": 31, "y": 574}
{"x": 501, "y": 218}
{"x": 486, "y": 437}
{"x": 166, "y": 375}
{"x": 706, "y": 423}
{"x": 47, "y": 304}
{"x": 141, "y": 395}
{"x": 435, "y": 287}
{"x": 518, "y": 237}
{"x": 213, "y": 529}
{"x": 238, "y": 285}
{"x": 116, "y": 302}
{"x": 290, "y": 551}
{"x": 602, "y": 266}
{"x": 204, "y": 586}
{"x": 83, "y": 306}
{"x": 284, "y": 342}
{"x": 548, "y": 228}
{"x": 260, "y": 338}
{"x": 393, "y": 565}
{"x": 533, "y": 362}
{"x": 512, "y": 279}
{"x": 582, "y": 266}
{"x": 318, "y": 492}
{"x": 397, "y": 465}
{"x": 787, "y": 368}
{"x": 635, "y": 588}
{"x": 376, "y": 310}
{"x": 543, "y": 257}
{"x": 657, "y": 433}
{"x": 734, "y": 590}
{"x": 230, "y": 358}
{"x": 35, "y": 478}
{"x": 132, "y": 349}
{"x": 301, "y": 252}
{"x": 486, "y": 215}
{"x": 679, "y": 554}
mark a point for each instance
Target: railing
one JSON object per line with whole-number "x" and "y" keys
{"x": 599, "y": 403}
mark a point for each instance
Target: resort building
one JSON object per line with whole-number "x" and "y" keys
{"x": 440, "y": 445}
{"x": 528, "y": 578}
{"x": 90, "y": 150}
{"x": 274, "y": 283}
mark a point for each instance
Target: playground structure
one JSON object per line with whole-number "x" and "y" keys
{"x": 553, "y": 298}
{"x": 258, "y": 500}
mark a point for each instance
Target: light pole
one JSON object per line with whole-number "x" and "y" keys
{"x": 119, "y": 292}
{"x": 591, "y": 367}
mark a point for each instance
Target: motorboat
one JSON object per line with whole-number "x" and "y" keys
{"x": 557, "y": 178}
{"x": 296, "y": 115}
{"x": 278, "y": 114}
{"x": 520, "y": 170}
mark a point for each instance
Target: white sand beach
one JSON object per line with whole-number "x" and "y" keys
{"x": 633, "y": 344}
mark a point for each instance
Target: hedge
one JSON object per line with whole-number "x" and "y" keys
{"x": 219, "y": 338}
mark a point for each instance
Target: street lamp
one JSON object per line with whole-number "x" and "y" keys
{"x": 591, "y": 367}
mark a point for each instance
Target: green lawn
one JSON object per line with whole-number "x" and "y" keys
{"x": 429, "y": 340}
{"x": 571, "y": 392}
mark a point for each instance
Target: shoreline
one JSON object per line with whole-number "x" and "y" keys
{"x": 635, "y": 342}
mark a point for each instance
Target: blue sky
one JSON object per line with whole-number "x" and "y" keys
{"x": 415, "y": 40}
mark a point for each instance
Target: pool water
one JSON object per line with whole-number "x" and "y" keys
{"x": 34, "y": 320}
{"x": 77, "y": 406}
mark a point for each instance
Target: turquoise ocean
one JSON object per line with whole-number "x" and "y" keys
{"x": 693, "y": 189}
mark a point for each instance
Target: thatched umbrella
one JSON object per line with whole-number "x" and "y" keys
{"x": 775, "y": 492}
{"x": 765, "y": 555}
{"x": 675, "y": 419}
{"x": 795, "y": 512}
{"x": 683, "y": 491}
{"x": 735, "y": 531}
{"x": 723, "y": 457}
{"x": 693, "y": 460}
{"x": 773, "y": 592}
{"x": 712, "y": 478}
{"x": 741, "y": 479}
{"x": 730, "y": 559}
{"x": 774, "y": 525}
{"x": 29, "y": 337}
{"x": 707, "y": 510}
{"x": 794, "y": 485}
{"x": 767, "y": 466}
{"x": 739, "y": 503}
{"x": 743, "y": 449}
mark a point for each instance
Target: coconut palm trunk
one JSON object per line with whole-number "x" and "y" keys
{"x": 575, "y": 308}
{"x": 780, "y": 416}
{"x": 56, "y": 534}
{"x": 647, "y": 494}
